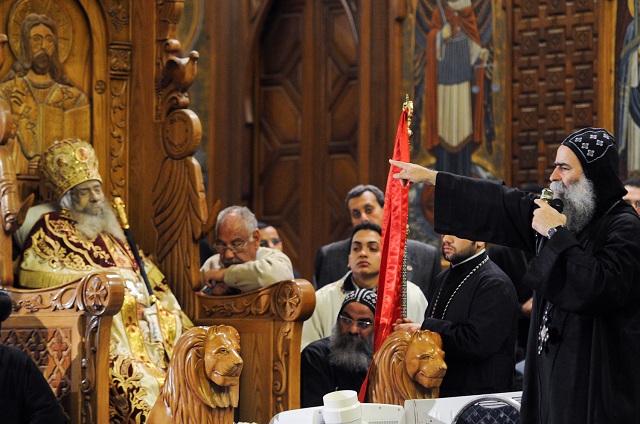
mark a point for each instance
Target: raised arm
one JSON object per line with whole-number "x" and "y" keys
{"x": 412, "y": 173}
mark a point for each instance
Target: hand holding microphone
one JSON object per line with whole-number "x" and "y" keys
{"x": 548, "y": 215}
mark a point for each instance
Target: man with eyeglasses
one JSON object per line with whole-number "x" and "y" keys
{"x": 269, "y": 237}
{"x": 340, "y": 361}
{"x": 474, "y": 307}
{"x": 364, "y": 261}
{"x": 633, "y": 193}
{"x": 240, "y": 263}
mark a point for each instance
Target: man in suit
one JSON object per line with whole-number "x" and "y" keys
{"x": 365, "y": 203}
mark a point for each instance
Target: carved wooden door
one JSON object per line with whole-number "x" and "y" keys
{"x": 306, "y": 123}
{"x": 555, "y": 76}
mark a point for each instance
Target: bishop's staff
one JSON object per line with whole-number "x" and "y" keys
{"x": 118, "y": 204}
{"x": 392, "y": 283}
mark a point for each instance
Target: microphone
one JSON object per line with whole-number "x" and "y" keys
{"x": 557, "y": 204}
{"x": 547, "y": 196}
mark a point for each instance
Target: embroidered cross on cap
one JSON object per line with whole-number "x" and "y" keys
{"x": 590, "y": 144}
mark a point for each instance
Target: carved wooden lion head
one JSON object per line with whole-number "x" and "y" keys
{"x": 408, "y": 365}
{"x": 203, "y": 377}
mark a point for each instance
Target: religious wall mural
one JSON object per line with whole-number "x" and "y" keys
{"x": 627, "y": 109}
{"x": 452, "y": 68}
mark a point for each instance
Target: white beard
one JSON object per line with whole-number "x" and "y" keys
{"x": 92, "y": 224}
{"x": 579, "y": 202}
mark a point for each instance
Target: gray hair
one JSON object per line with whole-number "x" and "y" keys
{"x": 247, "y": 217}
{"x": 66, "y": 202}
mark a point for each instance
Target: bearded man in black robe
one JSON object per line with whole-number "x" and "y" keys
{"x": 582, "y": 359}
{"x": 474, "y": 308}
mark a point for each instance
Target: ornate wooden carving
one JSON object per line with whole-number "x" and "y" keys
{"x": 45, "y": 104}
{"x": 202, "y": 380}
{"x": 66, "y": 331}
{"x": 12, "y": 213}
{"x": 270, "y": 324}
{"x": 119, "y": 14}
{"x": 179, "y": 204}
{"x": 554, "y": 79}
{"x": 408, "y": 365}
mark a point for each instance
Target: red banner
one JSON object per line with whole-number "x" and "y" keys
{"x": 394, "y": 238}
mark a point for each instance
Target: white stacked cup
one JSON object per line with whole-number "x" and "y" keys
{"x": 341, "y": 407}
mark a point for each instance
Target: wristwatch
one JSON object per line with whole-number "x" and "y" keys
{"x": 553, "y": 230}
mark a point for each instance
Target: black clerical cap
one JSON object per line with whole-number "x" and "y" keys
{"x": 364, "y": 296}
{"x": 596, "y": 150}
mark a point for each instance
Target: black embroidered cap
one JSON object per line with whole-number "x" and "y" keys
{"x": 596, "y": 150}
{"x": 590, "y": 144}
{"x": 364, "y": 296}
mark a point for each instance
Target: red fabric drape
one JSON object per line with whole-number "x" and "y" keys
{"x": 394, "y": 238}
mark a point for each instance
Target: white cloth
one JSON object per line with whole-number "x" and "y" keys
{"x": 329, "y": 301}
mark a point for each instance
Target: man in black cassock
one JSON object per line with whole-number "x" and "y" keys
{"x": 582, "y": 360}
{"x": 473, "y": 306}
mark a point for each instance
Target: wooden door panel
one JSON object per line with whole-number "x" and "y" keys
{"x": 279, "y": 114}
{"x": 554, "y": 80}
{"x": 307, "y": 99}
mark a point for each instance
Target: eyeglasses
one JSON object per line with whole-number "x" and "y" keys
{"x": 362, "y": 324}
{"x": 236, "y": 246}
{"x": 274, "y": 242}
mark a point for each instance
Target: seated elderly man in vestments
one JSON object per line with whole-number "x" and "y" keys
{"x": 84, "y": 236}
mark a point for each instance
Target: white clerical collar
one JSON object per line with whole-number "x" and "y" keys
{"x": 468, "y": 259}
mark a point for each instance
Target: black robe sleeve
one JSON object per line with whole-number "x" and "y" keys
{"x": 484, "y": 210}
{"x": 593, "y": 273}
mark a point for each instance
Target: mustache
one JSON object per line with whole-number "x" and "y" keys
{"x": 233, "y": 261}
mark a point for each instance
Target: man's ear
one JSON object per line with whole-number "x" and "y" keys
{"x": 256, "y": 238}
{"x": 481, "y": 245}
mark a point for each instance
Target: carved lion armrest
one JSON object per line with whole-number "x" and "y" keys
{"x": 269, "y": 321}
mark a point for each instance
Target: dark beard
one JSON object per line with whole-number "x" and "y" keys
{"x": 579, "y": 202}
{"x": 41, "y": 63}
{"x": 461, "y": 255}
{"x": 350, "y": 351}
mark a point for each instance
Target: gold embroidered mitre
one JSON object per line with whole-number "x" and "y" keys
{"x": 67, "y": 163}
